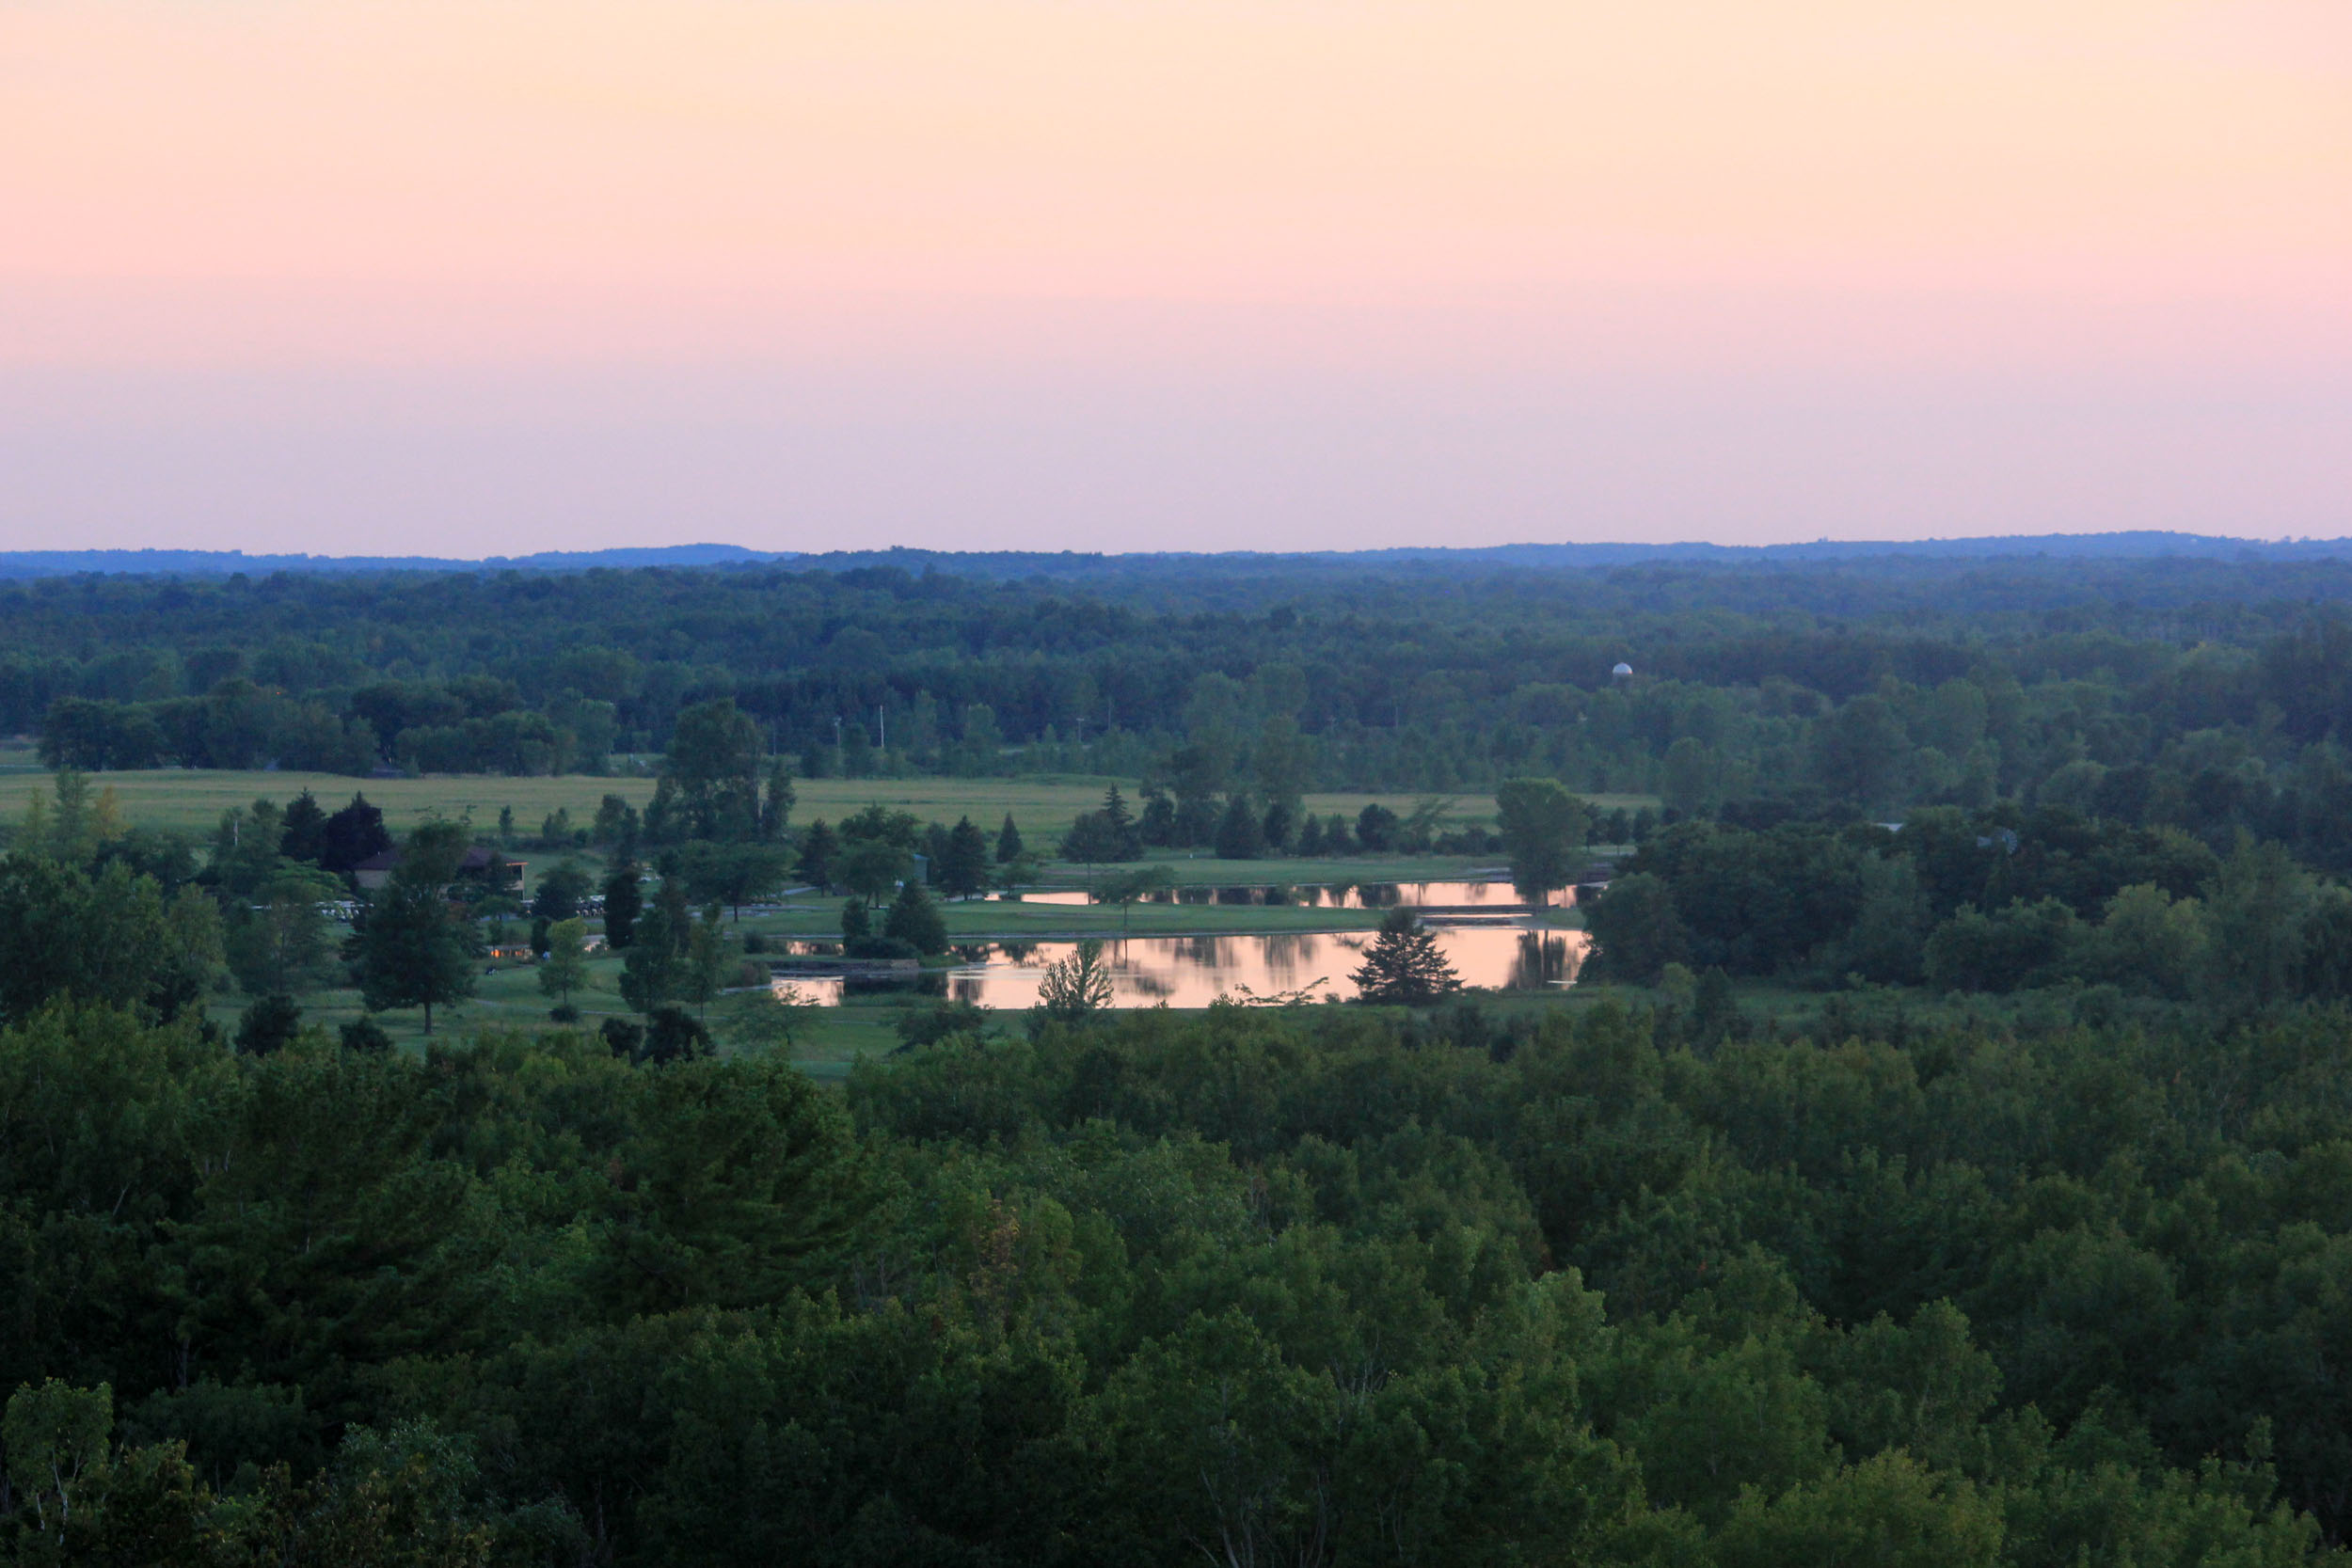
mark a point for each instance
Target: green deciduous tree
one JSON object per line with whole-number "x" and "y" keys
{"x": 412, "y": 949}
{"x": 655, "y": 973}
{"x": 1636, "y": 930}
{"x": 565, "y": 967}
{"x": 1687, "y": 776}
{"x": 733, "y": 874}
{"x": 284, "y": 946}
{"x": 712, "y": 773}
{"x": 110, "y": 939}
{"x": 871, "y": 867}
{"x": 1543, "y": 832}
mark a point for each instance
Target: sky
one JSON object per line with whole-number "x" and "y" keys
{"x": 408, "y": 277}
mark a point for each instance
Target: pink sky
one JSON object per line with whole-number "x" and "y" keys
{"x": 513, "y": 274}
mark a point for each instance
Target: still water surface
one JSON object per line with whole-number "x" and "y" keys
{"x": 1332, "y": 895}
{"x": 1193, "y": 972}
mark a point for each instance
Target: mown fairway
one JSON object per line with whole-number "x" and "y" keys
{"x": 191, "y": 801}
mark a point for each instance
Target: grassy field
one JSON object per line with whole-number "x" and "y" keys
{"x": 509, "y": 997}
{"x": 191, "y": 801}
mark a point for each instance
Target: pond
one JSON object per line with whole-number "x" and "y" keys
{"x": 1501, "y": 897}
{"x": 1193, "y": 972}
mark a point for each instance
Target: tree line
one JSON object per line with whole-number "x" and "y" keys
{"x": 1824, "y": 688}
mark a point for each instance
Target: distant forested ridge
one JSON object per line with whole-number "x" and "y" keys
{"x": 2214, "y": 683}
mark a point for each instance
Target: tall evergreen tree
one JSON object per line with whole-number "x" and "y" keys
{"x": 351, "y": 835}
{"x": 914, "y": 920}
{"x": 821, "y": 846}
{"x": 1118, "y": 825}
{"x": 962, "y": 871}
{"x": 1402, "y": 963}
{"x": 1009, "y": 846}
{"x": 304, "y": 836}
{"x": 623, "y": 900}
{"x": 1240, "y": 835}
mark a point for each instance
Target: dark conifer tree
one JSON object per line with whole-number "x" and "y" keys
{"x": 304, "y": 837}
{"x": 351, "y": 835}
{"x": 622, "y": 902}
{"x": 819, "y": 847}
{"x": 962, "y": 871}
{"x": 1008, "y": 842}
{"x": 914, "y": 920}
{"x": 1118, "y": 825}
{"x": 1240, "y": 836}
{"x": 1402, "y": 963}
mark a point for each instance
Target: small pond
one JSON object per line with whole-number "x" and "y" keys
{"x": 1331, "y": 896}
{"x": 1193, "y": 972}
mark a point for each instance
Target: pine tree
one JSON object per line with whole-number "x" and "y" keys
{"x": 819, "y": 847}
{"x": 1310, "y": 836}
{"x": 914, "y": 920}
{"x": 1239, "y": 835}
{"x": 1118, "y": 825}
{"x": 1075, "y": 986}
{"x": 351, "y": 835}
{"x": 1402, "y": 963}
{"x": 304, "y": 836}
{"x": 1009, "y": 846}
{"x": 963, "y": 870}
{"x": 622, "y": 902}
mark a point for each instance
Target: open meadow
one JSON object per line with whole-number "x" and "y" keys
{"x": 190, "y": 800}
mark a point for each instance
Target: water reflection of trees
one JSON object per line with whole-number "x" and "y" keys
{"x": 1547, "y": 960}
{"x": 1286, "y": 955}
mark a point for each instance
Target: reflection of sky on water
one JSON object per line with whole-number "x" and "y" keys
{"x": 1331, "y": 896}
{"x": 1193, "y": 972}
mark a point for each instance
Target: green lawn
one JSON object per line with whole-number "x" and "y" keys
{"x": 191, "y": 801}
{"x": 832, "y": 1038}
